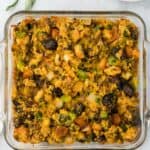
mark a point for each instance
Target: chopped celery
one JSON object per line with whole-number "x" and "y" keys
{"x": 134, "y": 83}
{"x": 103, "y": 115}
{"x": 109, "y": 26}
{"x": 99, "y": 27}
{"x": 20, "y": 65}
{"x": 112, "y": 60}
{"x": 38, "y": 115}
{"x": 126, "y": 33}
{"x": 63, "y": 118}
{"x": 66, "y": 98}
{"x": 98, "y": 100}
{"x": 20, "y": 34}
{"x": 124, "y": 127}
{"x": 72, "y": 116}
{"x": 82, "y": 74}
{"x": 67, "y": 119}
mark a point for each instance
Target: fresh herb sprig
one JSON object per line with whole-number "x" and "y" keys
{"x": 12, "y": 5}
{"x": 28, "y": 4}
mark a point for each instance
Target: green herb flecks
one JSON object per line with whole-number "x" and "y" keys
{"x": 20, "y": 65}
{"x": 66, "y": 98}
{"x": 82, "y": 74}
{"x": 103, "y": 115}
{"x": 20, "y": 34}
{"x": 112, "y": 60}
{"x": 38, "y": 115}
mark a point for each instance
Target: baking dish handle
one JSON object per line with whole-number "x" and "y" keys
{"x": 147, "y": 78}
{"x": 2, "y": 116}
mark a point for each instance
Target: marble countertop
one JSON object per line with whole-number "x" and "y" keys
{"x": 142, "y": 8}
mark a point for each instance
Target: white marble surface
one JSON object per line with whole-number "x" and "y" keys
{"x": 142, "y": 8}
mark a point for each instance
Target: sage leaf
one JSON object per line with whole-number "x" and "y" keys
{"x": 12, "y": 5}
{"x": 29, "y": 4}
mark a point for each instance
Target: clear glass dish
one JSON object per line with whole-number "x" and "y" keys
{"x": 131, "y": 0}
{"x": 6, "y": 114}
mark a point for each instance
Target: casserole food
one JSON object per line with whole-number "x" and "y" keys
{"x": 109, "y": 104}
{"x": 75, "y": 80}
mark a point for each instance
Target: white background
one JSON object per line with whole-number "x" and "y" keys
{"x": 142, "y": 8}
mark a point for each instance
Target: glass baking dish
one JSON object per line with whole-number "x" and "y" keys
{"x": 6, "y": 76}
{"x": 131, "y": 0}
